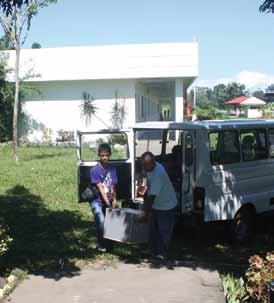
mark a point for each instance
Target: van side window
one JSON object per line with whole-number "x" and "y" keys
{"x": 224, "y": 147}
{"x": 271, "y": 142}
{"x": 254, "y": 146}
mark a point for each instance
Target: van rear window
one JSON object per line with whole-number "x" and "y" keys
{"x": 224, "y": 147}
{"x": 91, "y": 141}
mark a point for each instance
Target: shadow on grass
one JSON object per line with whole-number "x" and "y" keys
{"x": 43, "y": 240}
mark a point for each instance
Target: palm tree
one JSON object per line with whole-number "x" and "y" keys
{"x": 89, "y": 109}
{"x": 118, "y": 113}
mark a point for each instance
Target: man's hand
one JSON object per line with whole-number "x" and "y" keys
{"x": 141, "y": 190}
{"x": 108, "y": 204}
{"x": 115, "y": 204}
{"x": 142, "y": 217}
{"x": 105, "y": 199}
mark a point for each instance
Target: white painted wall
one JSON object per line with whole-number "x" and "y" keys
{"x": 254, "y": 113}
{"x": 179, "y": 100}
{"x": 58, "y": 105}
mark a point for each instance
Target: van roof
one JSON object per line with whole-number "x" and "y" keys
{"x": 206, "y": 124}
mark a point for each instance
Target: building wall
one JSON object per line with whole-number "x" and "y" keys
{"x": 57, "y": 105}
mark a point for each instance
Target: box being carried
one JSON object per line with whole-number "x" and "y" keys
{"x": 122, "y": 225}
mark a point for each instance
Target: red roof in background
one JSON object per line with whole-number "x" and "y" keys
{"x": 237, "y": 100}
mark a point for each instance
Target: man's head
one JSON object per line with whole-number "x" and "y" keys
{"x": 148, "y": 161}
{"x": 104, "y": 152}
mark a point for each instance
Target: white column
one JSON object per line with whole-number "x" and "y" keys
{"x": 179, "y": 100}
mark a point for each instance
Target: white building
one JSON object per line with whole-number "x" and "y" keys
{"x": 146, "y": 79}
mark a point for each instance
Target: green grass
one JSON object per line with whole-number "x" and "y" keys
{"x": 51, "y": 231}
{"x": 38, "y": 202}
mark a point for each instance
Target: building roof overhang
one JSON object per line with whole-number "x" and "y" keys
{"x": 136, "y": 61}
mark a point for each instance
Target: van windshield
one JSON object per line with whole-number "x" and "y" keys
{"x": 117, "y": 141}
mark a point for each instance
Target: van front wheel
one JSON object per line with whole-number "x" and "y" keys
{"x": 243, "y": 226}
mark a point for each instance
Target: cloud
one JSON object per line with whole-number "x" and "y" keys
{"x": 252, "y": 80}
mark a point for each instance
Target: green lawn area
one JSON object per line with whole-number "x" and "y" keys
{"x": 38, "y": 202}
{"x": 50, "y": 230}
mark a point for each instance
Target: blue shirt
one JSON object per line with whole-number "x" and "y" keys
{"x": 159, "y": 185}
{"x": 106, "y": 176}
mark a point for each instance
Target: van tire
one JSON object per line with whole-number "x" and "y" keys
{"x": 243, "y": 226}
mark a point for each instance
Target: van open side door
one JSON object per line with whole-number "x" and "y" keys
{"x": 121, "y": 158}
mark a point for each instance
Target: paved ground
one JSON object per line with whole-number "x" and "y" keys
{"x": 126, "y": 283}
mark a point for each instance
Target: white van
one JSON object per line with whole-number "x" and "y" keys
{"x": 221, "y": 170}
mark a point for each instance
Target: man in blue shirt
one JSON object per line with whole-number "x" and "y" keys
{"x": 161, "y": 202}
{"x": 105, "y": 178}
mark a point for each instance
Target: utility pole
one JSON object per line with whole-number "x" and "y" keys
{"x": 194, "y": 97}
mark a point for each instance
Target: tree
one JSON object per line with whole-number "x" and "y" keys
{"x": 270, "y": 88}
{"x": 259, "y": 94}
{"x": 207, "y": 98}
{"x": 89, "y": 109}
{"x": 219, "y": 95}
{"x": 234, "y": 90}
{"x": 204, "y": 99}
{"x": 7, "y": 5}
{"x": 267, "y": 6}
{"x": 36, "y": 45}
{"x": 6, "y": 103}
{"x": 5, "y": 43}
{"x": 118, "y": 112}
{"x": 223, "y": 93}
{"x": 269, "y": 93}
{"x": 210, "y": 103}
{"x": 16, "y": 21}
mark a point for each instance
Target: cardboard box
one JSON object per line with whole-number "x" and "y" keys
{"x": 122, "y": 225}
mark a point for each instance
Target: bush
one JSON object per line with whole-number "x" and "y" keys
{"x": 234, "y": 289}
{"x": 259, "y": 275}
{"x": 5, "y": 241}
{"x": 211, "y": 113}
{"x": 120, "y": 139}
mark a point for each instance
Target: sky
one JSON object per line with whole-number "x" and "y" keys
{"x": 236, "y": 41}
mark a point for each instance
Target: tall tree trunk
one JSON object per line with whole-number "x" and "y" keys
{"x": 16, "y": 104}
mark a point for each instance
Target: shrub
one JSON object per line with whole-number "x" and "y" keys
{"x": 211, "y": 113}
{"x": 234, "y": 289}
{"x": 203, "y": 114}
{"x": 259, "y": 275}
{"x": 5, "y": 241}
{"x": 120, "y": 139}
